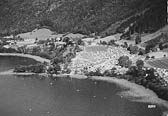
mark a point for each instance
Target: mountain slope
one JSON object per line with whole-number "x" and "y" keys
{"x": 84, "y": 16}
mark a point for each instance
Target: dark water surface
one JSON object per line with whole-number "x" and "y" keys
{"x": 34, "y": 96}
{"x": 7, "y": 63}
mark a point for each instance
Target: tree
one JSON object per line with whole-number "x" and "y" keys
{"x": 39, "y": 68}
{"x": 66, "y": 39}
{"x": 52, "y": 46}
{"x": 36, "y": 40}
{"x": 133, "y": 49}
{"x": 151, "y": 74}
{"x": 152, "y": 57}
{"x": 56, "y": 68}
{"x": 140, "y": 64}
{"x": 57, "y": 60}
{"x": 160, "y": 46}
{"x": 124, "y": 61}
{"x": 140, "y": 72}
{"x": 77, "y": 49}
{"x": 22, "y": 49}
{"x": 107, "y": 73}
{"x": 132, "y": 71}
{"x": 138, "y": 39}
{"x": 125, "y": 44}
{"x": 147, "y": 57}
{"x": 141, "y": 52}
{"x": 80, "y": 42}
{"x": 98, "y": 72}
{"x": 36, "y": 50}
{"x": 111, "y": 42}
{"x": 104, "y": 43}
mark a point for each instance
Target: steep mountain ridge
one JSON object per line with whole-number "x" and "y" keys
{"x": 84, "y": 16}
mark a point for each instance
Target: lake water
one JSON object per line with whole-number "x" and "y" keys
{"x": 34, "y": 96}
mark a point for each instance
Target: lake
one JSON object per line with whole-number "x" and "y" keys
{"x": 36, "y": 96}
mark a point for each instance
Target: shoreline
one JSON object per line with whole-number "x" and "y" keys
{"x": 75, "y": 76}
{"x": 36, "y": 58}
{"x": 131, "y": 91}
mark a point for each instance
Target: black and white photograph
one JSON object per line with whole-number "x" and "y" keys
{"x": 83, "y": 57}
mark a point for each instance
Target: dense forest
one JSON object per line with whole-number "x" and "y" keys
{"x": 82, "y": 16}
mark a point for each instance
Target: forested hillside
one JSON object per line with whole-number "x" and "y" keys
{"x": 83, "y": 16}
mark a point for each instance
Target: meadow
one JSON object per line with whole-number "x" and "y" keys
{"x": 160, "y": 63}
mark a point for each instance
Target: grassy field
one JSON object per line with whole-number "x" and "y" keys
{"x": 161, "y": 63}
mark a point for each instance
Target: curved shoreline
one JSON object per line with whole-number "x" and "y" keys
{"x": 36, "y": 58}
{"x": 134, "y": 92}
{"x": 131, "y": 91}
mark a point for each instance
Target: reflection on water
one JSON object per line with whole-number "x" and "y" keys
{"x": 34, "y": 96}
{"x": 7, "y": 63}
{"x": 65, "y": 97}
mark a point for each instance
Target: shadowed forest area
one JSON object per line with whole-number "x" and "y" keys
{"x": 103, "y": 17}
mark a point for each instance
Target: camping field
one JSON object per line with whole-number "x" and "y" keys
{"x": 96, "y": 48}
